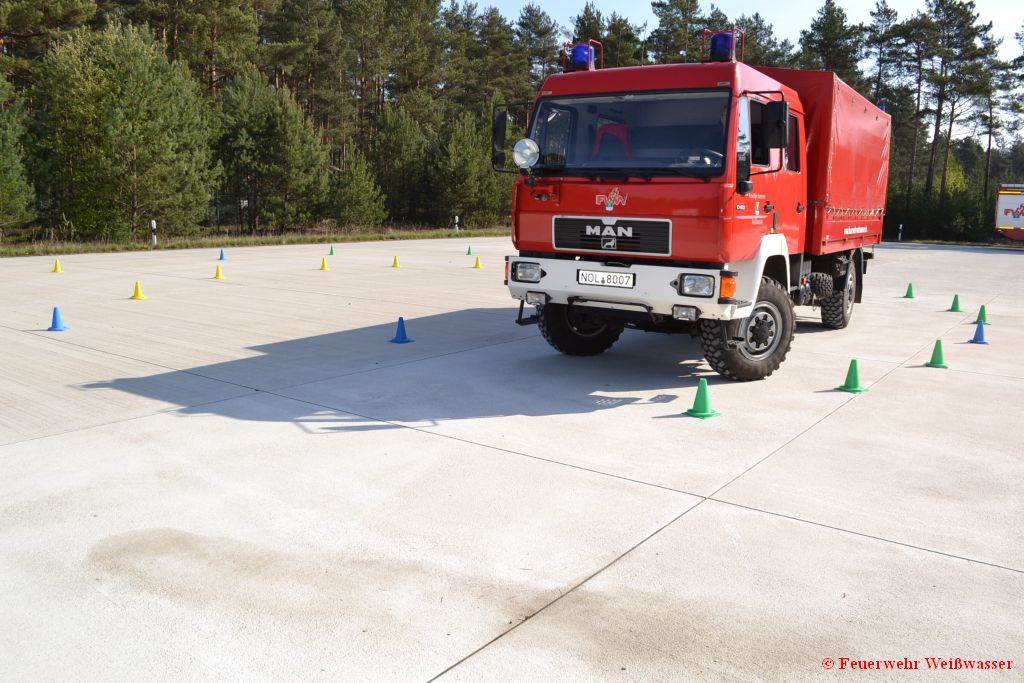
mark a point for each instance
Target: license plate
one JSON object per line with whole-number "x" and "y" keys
{"x": 602, "y": 279}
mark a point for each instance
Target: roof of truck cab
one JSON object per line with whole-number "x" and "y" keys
{"x": 736, "y": 76}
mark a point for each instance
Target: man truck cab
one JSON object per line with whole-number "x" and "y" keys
{"x": 705, "y": 198}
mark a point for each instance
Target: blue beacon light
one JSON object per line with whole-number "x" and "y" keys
{"x": 582, "y": 58}
{"x": 722, "y": 47}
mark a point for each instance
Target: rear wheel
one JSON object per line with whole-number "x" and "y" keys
{"x": 577, "y": 332}
{"x": 836, "y": 310}
{"x": 763, "y": 338}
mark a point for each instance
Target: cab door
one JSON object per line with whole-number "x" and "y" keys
{"x": 777, "y": 202}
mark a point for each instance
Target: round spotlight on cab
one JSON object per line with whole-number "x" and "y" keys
{"x": 526, "y": 153}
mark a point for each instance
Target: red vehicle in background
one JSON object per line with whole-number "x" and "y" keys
{"x": 707, "y": 198}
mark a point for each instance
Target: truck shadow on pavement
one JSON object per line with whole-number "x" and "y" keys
{"x": 474, "y": 363}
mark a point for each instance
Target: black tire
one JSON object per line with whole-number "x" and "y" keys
{"x": 837, "y": 309}
{"x": 767, "y": 337}
{"x": 576, "y": 332}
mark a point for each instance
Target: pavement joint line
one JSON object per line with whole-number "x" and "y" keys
{"x": 794, "y": 438}
{"x": 571, "y": 590}
{"x": 257, "y": 285}
{"x": 423, "y": 430}
{"x": 866, "y": 535}
{"x": 704, "y": 499}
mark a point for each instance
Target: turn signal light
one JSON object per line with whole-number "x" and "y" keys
{"x": 728, "y": 287}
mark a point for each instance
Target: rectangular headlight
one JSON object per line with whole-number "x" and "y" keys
{"x": 524, "y": 271}
{"x": 698, "y": 285}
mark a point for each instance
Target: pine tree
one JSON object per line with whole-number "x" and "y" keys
{"x": 308, "y": 50}
{"x": 472, "y": 190}
{"x": 400, "y": 163}
{"x": 677, "y": 37}
{"x": 536, "y": 33}
{"x": 370, "y": 33}
{"x": 956, "y": 51}
{"x": 832, "y": 44}
{"x": 29, "y": 29}
{"x": 879, "y": 41}
{"x": 588, "y": 24}
{"x": 16, "y": 195}
{"x": 272, "y": 155}
{"x": 761, "y": 47}
{"x": 622, "y": 44}
{"x": 354, "y": 197}
{"x": 122, "y": 135}
{"x": 917, "y": 35}
{"x": 216, "y": 38}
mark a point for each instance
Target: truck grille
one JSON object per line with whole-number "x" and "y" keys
{"x": 607, "y": 234}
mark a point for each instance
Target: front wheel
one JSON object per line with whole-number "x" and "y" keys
{"x": 577, "y": 332}
{"x": 763, "y": 338}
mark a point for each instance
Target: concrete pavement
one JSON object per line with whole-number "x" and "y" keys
{"x": 244, "y": 480}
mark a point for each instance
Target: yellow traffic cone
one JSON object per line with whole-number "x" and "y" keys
{"x": 56, "y": 266}
{"x": 218, "y": 275}
{"x": 478, "y": 265}
{"x": 323, "y": 264}
{"x": 138, "y": 295}
{"x": 395, "y": 263}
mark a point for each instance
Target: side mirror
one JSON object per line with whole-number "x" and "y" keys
{"x": 776, "y": 125}
{"x": 744, "y": 186}
{"x": 498, "y": 131}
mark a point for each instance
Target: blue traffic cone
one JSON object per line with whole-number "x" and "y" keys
{"x": 400, "y": 336}
{"x": 58, "y": 321}
{"x": 222, "y": 256}
{"x": 979, "y": 334}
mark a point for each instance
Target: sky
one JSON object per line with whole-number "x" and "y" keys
{"x": 788, "y": 18}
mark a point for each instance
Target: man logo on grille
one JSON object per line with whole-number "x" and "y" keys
{"x": 609, "y": 243}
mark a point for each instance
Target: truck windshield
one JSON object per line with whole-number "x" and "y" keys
{"x": 669, "y": 133}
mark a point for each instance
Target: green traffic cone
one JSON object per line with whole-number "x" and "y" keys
{"x": 937, "y": 361}
{"x": 469, "y": 251}
{"x": 910, "y": 291}
{"x": 702, "y": 404}
{"x": 853, "y": 384}
{"x": 955, "y": 308}
{"x": 982, "y": 316}
{"x": 332, "y": 251}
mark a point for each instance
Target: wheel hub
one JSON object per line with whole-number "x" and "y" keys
{"x": 761, "y": 332}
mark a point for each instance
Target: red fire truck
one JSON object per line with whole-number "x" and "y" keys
{"x": 706, "y": 198}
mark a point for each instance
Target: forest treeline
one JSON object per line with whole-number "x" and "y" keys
{"x": 271, "y": 115}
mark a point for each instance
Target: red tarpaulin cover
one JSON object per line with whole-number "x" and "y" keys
{"x": 847, "y": 160}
